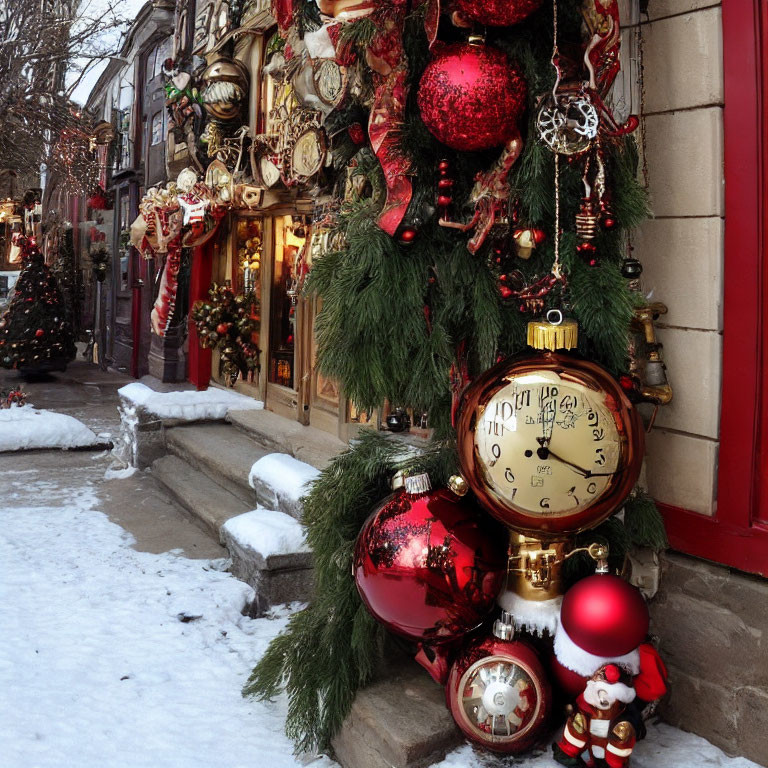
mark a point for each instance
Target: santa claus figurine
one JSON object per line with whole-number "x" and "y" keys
{"x": 598, "y": 734}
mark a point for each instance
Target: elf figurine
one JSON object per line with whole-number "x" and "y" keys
{"x": 598, "y": 729}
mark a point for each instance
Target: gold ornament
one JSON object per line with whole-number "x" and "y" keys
{"x": 458, "y": 485}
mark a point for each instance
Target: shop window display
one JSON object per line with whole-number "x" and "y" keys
{"x": 289, "y": 248}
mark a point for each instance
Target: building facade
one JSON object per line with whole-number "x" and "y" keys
{"x": 199, "y": 86}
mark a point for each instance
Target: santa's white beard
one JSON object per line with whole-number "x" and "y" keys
{"x": 602, "y": 695}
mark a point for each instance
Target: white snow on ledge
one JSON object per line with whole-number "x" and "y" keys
{"x": 287, "y": 476}
{"x": 267, "y": 532}
{"x": 188, "y": 405}
{"x": 23, "y": 428}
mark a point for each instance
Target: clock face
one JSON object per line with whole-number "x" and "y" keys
{"x": 330, "y": 81}
{"x": 270, "y": 173}
{"x": 308, "y": 153}
{"x": 548, "y": 446}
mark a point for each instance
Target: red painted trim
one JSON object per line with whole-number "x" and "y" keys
{"x": 713, "y": 539}
{"x": 734, "y": 536}
{"x": 199, "y": 361}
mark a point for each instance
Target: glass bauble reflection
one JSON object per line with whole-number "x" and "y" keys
{"x": 430, "y": 565}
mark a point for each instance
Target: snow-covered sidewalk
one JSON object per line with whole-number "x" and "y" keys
{"x": 115, "y": 658}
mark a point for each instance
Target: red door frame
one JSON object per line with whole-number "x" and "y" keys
{"x": 734, "y": 536}
{"x": 199, "y": 359}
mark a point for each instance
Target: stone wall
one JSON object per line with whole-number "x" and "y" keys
{"x": 712, "y": 625}
{"x": 712, "y": 622}
{"x": 681, "y": 248}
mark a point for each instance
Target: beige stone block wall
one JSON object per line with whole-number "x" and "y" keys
{"x": 682, "y": 247}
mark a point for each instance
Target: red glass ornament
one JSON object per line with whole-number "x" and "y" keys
{"x": 499, "y": 695}
{"x": 356, "y": 133}
{"x": 495, "y": 13}
{"x": 407, "y": 235}
{"x": 471, "y": 97}
{"x": 604, "y": 615}
{"x": 429, "y": 566}
{"x": 222, "y": 328}
{"x": 39, "y": 332}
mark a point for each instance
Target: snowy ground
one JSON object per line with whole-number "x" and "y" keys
{"x": 114, "y": 657}
{"x": 111, "y": 657}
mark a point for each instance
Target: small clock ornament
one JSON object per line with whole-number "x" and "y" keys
{"x": 549, "y": 442}
{"x": 498, "y": 692}
{"x": 428, "y": 565}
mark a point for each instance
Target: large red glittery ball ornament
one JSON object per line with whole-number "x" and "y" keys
{"x": 429, "y": 565}
{"x": 495, "y": 13}
{"x": 604, "y": 616}
{"x": 472, "y": 97}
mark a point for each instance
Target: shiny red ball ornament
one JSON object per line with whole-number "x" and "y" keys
{"x": 471, "y": 97}
{"x": 39, "y": 332}
{"x": 604, "y": 615}
{"x": 429, "y": 565}
{"x": 499, "y": 694}
{"x": 495, "y": 13}
{"x": 222, "y": 328}
{"x": 407, "y": 235}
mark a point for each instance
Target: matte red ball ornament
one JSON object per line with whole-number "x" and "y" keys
{"x": 604, "y": 615}
{"x": 499, "y": 694}
{"x": 495, "y": 13}
{"x": 429, "y": 565}
{"x": 472, "y": 97}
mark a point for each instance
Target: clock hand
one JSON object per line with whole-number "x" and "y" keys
{"x": 584, "y": 472}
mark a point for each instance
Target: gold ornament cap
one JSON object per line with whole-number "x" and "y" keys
{"x": 458, "y": 485}
{"x": 553, "y": 332}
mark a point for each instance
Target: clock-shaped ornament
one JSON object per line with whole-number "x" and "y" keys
{"x": 548, "y": 441}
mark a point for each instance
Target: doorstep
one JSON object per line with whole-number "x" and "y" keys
{"x": 279, "y": 434}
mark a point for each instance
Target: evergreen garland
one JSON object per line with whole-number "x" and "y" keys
{"x": 331, "y": 648}
{"x": 392, "y": 319}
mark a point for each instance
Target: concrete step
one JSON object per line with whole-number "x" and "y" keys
{"x": 281, "y": 435}
{"x": 401, "y": 721}
{"x": 207, "y": 504}
{"x": 221, "y": 452}
{"x": 276, "y": 578}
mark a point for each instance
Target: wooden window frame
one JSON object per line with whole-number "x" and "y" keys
{"x": 737, "y": 534}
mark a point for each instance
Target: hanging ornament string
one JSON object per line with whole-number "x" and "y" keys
{"x": 556, "y": 271}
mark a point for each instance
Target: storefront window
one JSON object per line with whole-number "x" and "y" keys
{"x": 288, "y": 249}
{"x": 124, "y": 243}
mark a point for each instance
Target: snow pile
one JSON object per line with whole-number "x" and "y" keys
{"x": 113, "y": 657}
{"x": 267, "y": 532}
{"x": 664, "y": 747}
{"x": 286, "y": 476}
{"x": 25, "y": 427}
{"x": 188, "y": 405}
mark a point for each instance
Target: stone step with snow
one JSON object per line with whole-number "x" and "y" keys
{"x": 221, "y": 452}
{"x": 400, "y": 721}
{"x": 269, "y": 552}
{"x": 146, "y": 414}
{"x": 280, "y": 481}
{"x": 279, "y": 434}
{"x": 208, "y": 504}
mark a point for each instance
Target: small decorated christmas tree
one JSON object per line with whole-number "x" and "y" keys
{"x": 35, "y": 334}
